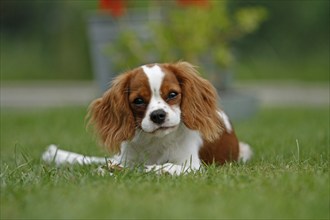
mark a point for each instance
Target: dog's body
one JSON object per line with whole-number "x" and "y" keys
{"x": 166, "y": 117}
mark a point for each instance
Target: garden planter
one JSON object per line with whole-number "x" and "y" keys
{"x": 104, "y": 30}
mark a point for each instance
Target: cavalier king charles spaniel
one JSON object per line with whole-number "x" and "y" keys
{"x": 162, "y": 117}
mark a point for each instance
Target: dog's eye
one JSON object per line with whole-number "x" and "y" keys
{"x": 172, "y": 95}
{"x": 138, "y": 101}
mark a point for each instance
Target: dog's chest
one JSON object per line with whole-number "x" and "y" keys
{"x": 173, "y": 148}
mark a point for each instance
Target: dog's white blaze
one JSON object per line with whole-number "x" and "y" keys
{"x": 155, "y": 77}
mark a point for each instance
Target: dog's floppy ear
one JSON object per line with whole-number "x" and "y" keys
{"x": 199, "y": 102}
{"x": 112, "y": 116}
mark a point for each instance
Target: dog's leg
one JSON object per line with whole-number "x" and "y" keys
{"x": 58, "y": 156}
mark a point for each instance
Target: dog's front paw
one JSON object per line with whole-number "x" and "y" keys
{"x": 167, "y": 168}
{"x": 153, "y": 168}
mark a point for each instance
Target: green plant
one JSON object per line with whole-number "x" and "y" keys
{"x": 192, "y": 34}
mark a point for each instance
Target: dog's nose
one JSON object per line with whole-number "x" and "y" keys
{"x": 158, "y": 116}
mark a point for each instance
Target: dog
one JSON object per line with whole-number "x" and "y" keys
{"x": 164, "y": 117}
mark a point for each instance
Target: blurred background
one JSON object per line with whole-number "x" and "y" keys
{"x": 241, "y": 40}
{"x": 48, "y": 39}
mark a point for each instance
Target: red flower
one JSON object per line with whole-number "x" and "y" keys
{"x": 115, "y": 7}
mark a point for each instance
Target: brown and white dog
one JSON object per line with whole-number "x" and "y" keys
{"x": 164, "y": 117}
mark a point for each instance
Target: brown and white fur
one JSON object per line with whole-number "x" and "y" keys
{"x": 162, "y": 116}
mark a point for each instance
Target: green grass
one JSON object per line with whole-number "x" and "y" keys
{"x": 285, "y": 179}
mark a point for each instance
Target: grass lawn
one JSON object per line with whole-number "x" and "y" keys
{"x": 288, "y": 177}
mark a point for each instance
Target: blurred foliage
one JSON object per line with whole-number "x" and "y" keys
{"x": 189, "y": 33}
{"x": 44, "y": 39}
{"x": 48, "y": 40}
{"x": 293, "y": 44}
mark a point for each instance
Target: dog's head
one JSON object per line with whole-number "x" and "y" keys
{"x": 156, "y": 99}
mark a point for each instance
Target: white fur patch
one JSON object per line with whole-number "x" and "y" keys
{"x": 225, "y": 119}
{"x": 180, "y": 147}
